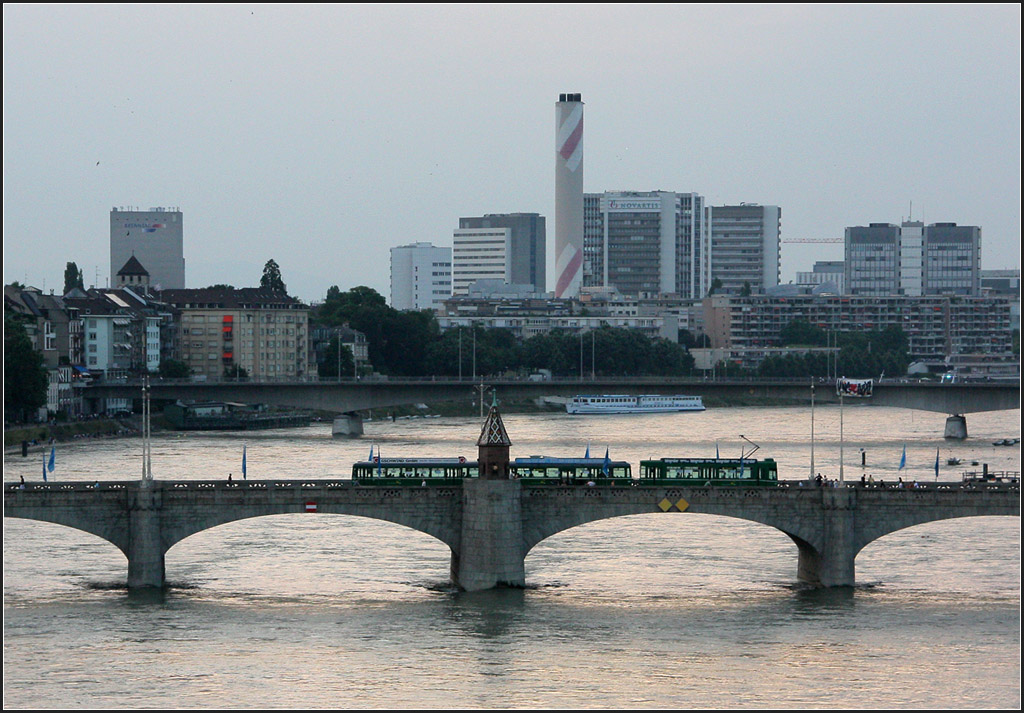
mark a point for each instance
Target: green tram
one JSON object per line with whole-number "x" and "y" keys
{"x": 413, "y": 471}
{"x": 571, "y": 471}
{"x": 710, "y": 471}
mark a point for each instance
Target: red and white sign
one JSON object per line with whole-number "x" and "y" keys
{"x": 310, "y": 507}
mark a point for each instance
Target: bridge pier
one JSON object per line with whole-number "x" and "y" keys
{"x": 347, "y": 424}
{"x": 145, "y": 546}
{"x": 956, "y": 427}
{"x": 830, "y": 562}
{"x": 491, "y": 552}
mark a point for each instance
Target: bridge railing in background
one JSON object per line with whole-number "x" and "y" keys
{"x": 306, "y": 483}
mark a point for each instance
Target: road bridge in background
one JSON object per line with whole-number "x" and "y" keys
{"x": 360, "y": 395}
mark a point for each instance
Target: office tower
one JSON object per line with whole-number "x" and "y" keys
{"x": 154, "y": 237}
{"x": 951, "y": 259}
{"x": 526, "y": 236}
{"x": 872, "y": 259}
{"x": 913, "y": 259}
{"x": 508, "y": 247}
{"x": 645, "y": 242}
{"x": 743, "y": 247}
{"x": 568, "y": 195}
{"x": 421, "y": 276}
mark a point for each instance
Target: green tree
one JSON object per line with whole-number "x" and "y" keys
{"x": 25, "y": 377}
{"x": 234, "y": 371}
{"x": 335, "y": 364}
{"x": 173, "y": 369}
{"x": 397, "y": 342}
{"x": 271, "y": 279}
{"x": 73, "y": 278}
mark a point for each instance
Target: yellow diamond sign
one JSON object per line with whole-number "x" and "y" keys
{"x": 665, "y": 505}
{"x": 682, "y": 505}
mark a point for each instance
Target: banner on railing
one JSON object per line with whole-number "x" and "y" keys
{"x": 854, "y": 387}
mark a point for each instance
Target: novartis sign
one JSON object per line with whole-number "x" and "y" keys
{"x": 633, "y": 205}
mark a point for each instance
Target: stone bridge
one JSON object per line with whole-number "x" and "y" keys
{"x": 490, "y": 525}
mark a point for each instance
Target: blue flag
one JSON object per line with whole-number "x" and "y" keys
{"x": 53, "y": 459}
{"x": 607, "y": 467}
{"x": 378, "y": 461}
{"x": 936, "y": 464}
{"x": 370, "y": 458}
{"x": 717, "y": 456}
{"x": 587, "y": 454}
{"x": 243, "y": 463}
{"x": 44, "y": 468}
{"x": 903, "y": 458}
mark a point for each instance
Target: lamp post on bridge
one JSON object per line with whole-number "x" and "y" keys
{"x": 812, "y": 427}
{"x": 147, "y": 464}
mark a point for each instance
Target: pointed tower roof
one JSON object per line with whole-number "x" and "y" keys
{"x": 133, "y": 267}
{"x": 493, "y": 432}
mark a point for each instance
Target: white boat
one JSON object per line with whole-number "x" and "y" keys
{"x": 644, "y": 403}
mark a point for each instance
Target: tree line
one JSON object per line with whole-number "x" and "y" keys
{"x": 411, "y": 343}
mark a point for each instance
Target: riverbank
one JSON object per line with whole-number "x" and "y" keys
{"x": 41, "y": 436}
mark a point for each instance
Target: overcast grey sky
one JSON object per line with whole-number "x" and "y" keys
{"x": 322, "y": 136}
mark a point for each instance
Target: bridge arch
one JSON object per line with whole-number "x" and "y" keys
{"x": 911, "y": 554}
{"x": 877, "y": 529}
{"x": 302, "y": 545}
{"x": 39, "y": 548}
{"x": 183, "y": 529}
{"x": 577, "y": 519}
{"x": 104, "y": 518}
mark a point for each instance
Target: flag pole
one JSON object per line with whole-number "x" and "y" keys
{"x": 840, "y": 436}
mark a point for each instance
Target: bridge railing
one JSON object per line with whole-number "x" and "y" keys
{"x": 330, "y": 483}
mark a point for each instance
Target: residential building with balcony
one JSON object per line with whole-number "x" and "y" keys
{"x": 265, "y": 333}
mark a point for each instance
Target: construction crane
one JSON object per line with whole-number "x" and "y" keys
{"x": 815, "y": 240}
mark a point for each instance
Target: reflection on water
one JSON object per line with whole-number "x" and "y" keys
{"x": 642, "y": 611}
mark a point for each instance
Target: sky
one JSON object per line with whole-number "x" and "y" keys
{"x": 322, "y": 136}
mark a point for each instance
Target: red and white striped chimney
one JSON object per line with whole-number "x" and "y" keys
{"x": 568, "y": 195}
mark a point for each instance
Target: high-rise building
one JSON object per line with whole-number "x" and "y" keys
{"x": 952, "y": 259}
{"x": 154, "y": 238}
{"x": 913, "y": 259}
{"x": 872, "y": 259}
{"x": 508, "y": 247}
{"x": 421, "y": 276}
{"x": 644, "y": 242}
{"x": 568, "y": 195}
{"x": 743, "y": 247}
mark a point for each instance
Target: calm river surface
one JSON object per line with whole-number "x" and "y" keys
{"x": 691, "y": 611}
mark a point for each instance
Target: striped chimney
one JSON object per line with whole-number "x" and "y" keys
{"x": 568, "y": 195}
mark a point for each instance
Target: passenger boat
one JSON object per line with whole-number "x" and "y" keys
{"x": 644, "y": 403}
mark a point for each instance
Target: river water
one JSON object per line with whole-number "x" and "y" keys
{"x": 650, "y": 611}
